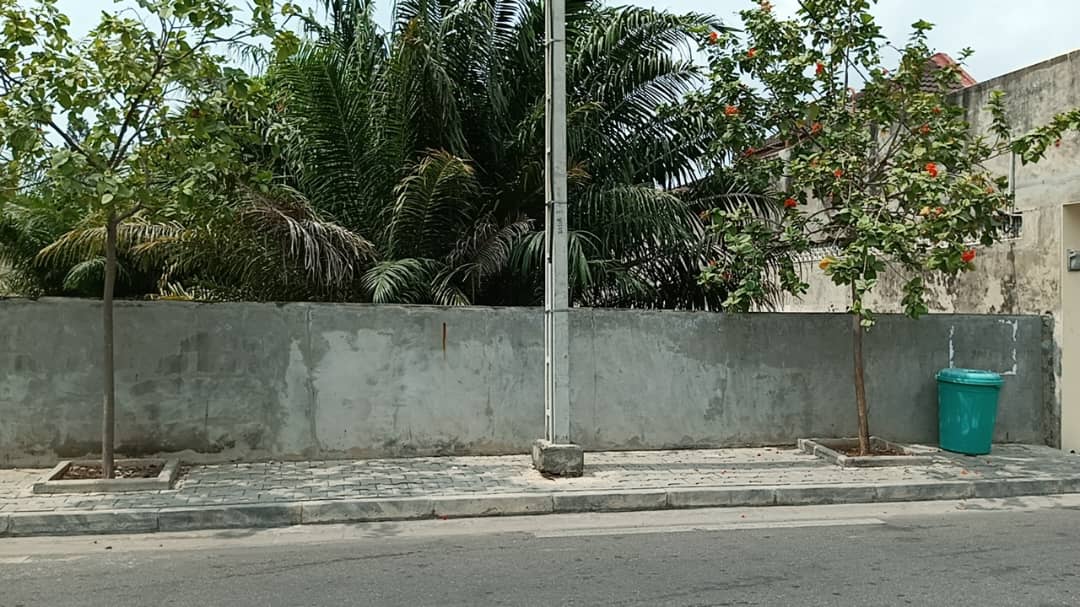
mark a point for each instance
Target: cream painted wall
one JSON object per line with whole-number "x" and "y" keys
{"x": 1070, "y": 328}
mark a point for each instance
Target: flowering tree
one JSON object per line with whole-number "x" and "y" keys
{"x": 874, "y": 163}
{"x": 109, "y": 123}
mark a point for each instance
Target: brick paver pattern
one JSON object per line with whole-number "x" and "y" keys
{"x": 292, "y": 481}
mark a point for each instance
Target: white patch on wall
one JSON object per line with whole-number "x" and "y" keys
{"x": 952, "y": 347}
{"x": 1015, "y": 324}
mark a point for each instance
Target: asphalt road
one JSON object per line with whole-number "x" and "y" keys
{"x": 984, "y": 554}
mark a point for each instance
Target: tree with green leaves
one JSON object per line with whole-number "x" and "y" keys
{"x": 875, "y": 163}
{"x": 103, "y": 126}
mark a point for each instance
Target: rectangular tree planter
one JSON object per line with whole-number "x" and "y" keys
{"x": 825, "y": 448}
{"x": 163, "y": 480}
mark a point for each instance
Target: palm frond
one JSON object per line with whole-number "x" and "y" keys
{"x": 89, "y": 275}
{"x": 82, "y": 244}
{"x": 489, "y": 248}
{"x": 433, "y": 203}
{"x": 399, "y": 281}
{"x": 326, "y": 252}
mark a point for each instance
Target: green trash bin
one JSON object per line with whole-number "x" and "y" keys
{"x": 967, "y": 409}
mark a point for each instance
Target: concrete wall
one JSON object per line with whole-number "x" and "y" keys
{"x": 328, "y": 380}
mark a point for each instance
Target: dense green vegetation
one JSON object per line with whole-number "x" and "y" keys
{"x": 406, "y": 166}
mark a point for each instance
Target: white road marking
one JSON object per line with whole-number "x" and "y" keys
{"x": 700, "y": 528}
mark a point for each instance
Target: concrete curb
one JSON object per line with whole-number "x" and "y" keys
{"x": 233, "y": 516}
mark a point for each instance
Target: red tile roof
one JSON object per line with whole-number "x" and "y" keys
{"x": 942, "y": 60}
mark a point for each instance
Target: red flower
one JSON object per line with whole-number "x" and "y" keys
{"x": 791, "y": 203}
{"x": 838, "y": 173}
{"x": 752, "y": 52}
{"x": 731, "y": 110}
{"x": 750, "y": 151}
{"x": 819, "y": 69}
{"x": 815, "y": 128}
{"x": 714, "y": 37}
{"x": 932, "y": 169}
{"x": 936, "y": 110}
{"x": 925, "y": 129}
{"x": 968, "y": 256}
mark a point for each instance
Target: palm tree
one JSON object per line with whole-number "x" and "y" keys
{"x": 428, "y": 141}
{"x": 260, "y": 246}
{"x": 31, "y": 220}
{"x": 409, "y": 167}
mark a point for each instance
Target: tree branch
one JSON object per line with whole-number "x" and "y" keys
{"x": 74, "y": 145}
{"x": 128, "y": 214}
{"x": 120, "y": 147}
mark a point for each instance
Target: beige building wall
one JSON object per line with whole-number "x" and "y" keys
{"x": 1070, "y": 330}
{"x": 1022, "y": 275}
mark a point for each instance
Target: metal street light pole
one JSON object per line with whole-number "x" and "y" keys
{"x": 555, "y": 454}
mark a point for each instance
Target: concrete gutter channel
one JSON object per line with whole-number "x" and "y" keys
{"x": 283, "y": 514}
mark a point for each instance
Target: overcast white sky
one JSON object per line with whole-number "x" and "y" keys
{"x": 1006, "y": 34}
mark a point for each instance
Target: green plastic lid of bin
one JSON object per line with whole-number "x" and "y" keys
{"x": 970, "y": 377}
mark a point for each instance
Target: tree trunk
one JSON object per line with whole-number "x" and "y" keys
{"x": 860, "y": 385}
{"x": 108, "y": 420}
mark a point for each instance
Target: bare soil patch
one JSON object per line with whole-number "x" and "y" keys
{"x": 78, "y": 472}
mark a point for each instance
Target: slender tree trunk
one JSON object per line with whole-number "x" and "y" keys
{"x": 108, "y": 420}
{"x": 860, "y": 385}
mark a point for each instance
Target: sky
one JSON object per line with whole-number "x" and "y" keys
{"x": 1006, "y": 34}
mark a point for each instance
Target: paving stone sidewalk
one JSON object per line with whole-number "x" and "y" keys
{"x": 643, "y": 480}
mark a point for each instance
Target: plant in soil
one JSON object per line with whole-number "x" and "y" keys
{"x": 124, "y": 126}
{"x": 872, "y": 450}
{"x": 872, "y": 162}
{"x": 93, "y": 471}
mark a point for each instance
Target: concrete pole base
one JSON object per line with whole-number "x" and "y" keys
{"x": 558, "y": 460}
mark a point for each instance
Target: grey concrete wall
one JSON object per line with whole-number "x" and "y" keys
{"x": 249, "y": 381}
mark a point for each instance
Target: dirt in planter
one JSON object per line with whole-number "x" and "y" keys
{"x": 875, "y": 450}
{"x": 76, "y": 472}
